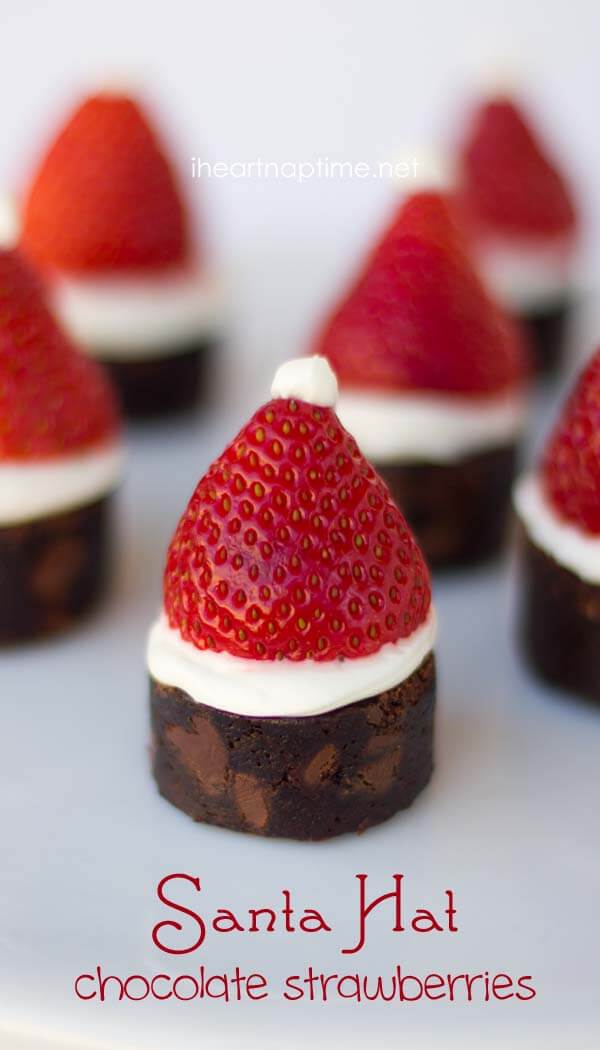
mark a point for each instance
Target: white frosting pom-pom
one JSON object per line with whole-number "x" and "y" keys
{"x": 309, "y": 379}
{"x": 427, "y": 171}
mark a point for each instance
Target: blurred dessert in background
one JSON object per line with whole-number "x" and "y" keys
{"x": 432, "y": 378}
{"x": 523, "y": 222}
{"x": 105, "y": 221}
{"x": 60, "y": 462}
{"x": 559, "y": 507}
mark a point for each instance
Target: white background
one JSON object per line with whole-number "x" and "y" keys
{"x": 510, "y": 819}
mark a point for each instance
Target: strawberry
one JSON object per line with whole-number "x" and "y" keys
{"x": 418, "y": 317}
{"x": 53, "y": 400}
{"x": 571, "y": 462}
{"x": 105, "y": 197}
{"x": 291, "y": 547}
{"x": 509, "y": 184}
{"x": 428, "y": 215}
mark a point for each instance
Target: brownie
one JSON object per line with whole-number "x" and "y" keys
{"x": 458, "y": 511}
{"x": 546, "y": 330}
{"x": 301, "y": 778}
{"x": 162, "y": 385}
{"x": 560, "y": 623}
{"x": 52, "y": 570}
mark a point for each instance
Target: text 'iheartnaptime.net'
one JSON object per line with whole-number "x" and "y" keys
{"x": 304, "y": 170}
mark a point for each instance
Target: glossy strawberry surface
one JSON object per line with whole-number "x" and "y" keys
{"x": 291, "y": 547}
{"x": 571, "y": 463}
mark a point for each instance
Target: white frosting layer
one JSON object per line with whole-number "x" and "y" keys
{"x": 128, "y": 318}
{"x": 30, "y": 490}
{"x": 279, "y": 688}
{"x": 567, "y": 544}
{"x": 429, "y": 171}
{"x": 528, "y": 274}
{"x": 429, "y": 427}
{"x": 9, "y": 222}
{"x": 307, "y": 378}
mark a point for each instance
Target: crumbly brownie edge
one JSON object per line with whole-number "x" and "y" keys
{"x": 302, "y": 778}
{"x": 53, "y": 570}
{"x": 559, "y": 625}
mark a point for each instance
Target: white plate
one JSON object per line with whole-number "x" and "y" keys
{"x": 510, "y": 822}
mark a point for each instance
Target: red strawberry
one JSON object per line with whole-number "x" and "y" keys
{"x": 428, "y": 215}
{"x": 571, "y": 463}
{"x": 105, "y": 197}
{"x": 52, "y": 399}
{"x": 291, "y": 547}
{"x": 510, "y": 185}
{"x": 418, "y": 317}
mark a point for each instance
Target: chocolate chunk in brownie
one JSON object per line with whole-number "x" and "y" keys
{"x": 303, "y": 778}
{"x": 52, "y": 570}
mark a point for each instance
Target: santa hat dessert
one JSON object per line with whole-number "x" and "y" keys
{"x": 559, "y": 508}
{"x": 431, "y": 376}
{"x": 292, "y": 673}
{"x": 60, "y": 461}
{"x": 105, "y": 220}
{"x": 523, "y": 222}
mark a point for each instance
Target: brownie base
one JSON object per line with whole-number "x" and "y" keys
{"x": 52, "y": 571}
{"x": 559, "y": 623}
{"x": 162, "y": 385}
{"x": 300, "y": 778}
{"x": 546, "y": 331}
{"x": 459, "y": 512}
